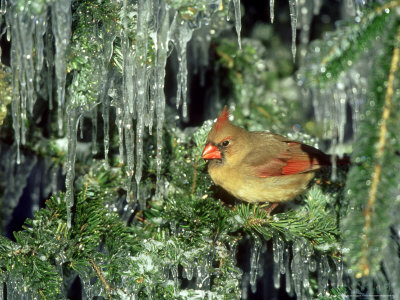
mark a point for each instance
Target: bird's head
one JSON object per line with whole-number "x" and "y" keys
{"x": 224, "y": 140}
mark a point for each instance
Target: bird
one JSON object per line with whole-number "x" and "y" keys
{"x": 259, "y": 166}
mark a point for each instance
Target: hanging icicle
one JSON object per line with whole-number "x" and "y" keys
{"x": 72, "y": 132}
{"x": 27, "y": 32}
{"x": 142, "y": 76}
{"x": 254, "y": 264}
{"x": 161, "y": 61}
{"x": 271, "y": 10}
{"x": 61, "y": 22}
{"x": 293, "y": 22}
{"x": 183, "y": 34}
{"x": 238, "y": 21}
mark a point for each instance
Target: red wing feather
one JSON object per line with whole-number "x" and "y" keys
{"x": 304, "y": 158}
{"x": 298, "y": 158}
{"x": 294, "y": 166}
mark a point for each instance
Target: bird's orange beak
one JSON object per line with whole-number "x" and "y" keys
{"x": 211, "y": 152}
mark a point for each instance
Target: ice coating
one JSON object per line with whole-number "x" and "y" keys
{"x": 271, "y": 10}
{"x": 254, "y": 265}
{"x": 61, "y": 22}
{"x": 27, "y": 33}
{"x": 293, "y": 24}
{"x": 142, "y": 79}
{"x": 161, "y": 61}
{"x": 183, "y": 34}
{"x": 142, "y": 101}
{"x": 238, "y": 22}
{"x": 72, "y": 131}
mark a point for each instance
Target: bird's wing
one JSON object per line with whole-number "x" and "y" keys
{"x": 304, "y": 158}
{"x": 280, "y": 156}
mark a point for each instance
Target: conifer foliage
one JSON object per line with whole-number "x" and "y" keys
{"x": 139, "y": 217}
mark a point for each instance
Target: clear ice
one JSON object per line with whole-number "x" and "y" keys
{"x": 183, "y": 34}
{"x": 142, "y": 96}
{"x": 238, "y": 21}
{"x": 271, "y": 10}
{"x": 293, "y": 24}
{"x": 254, "y": 264}
{"x": 72, "y": 131}
{"x": 61, "y": 21}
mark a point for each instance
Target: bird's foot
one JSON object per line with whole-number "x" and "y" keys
{"x": 270, "y": 208}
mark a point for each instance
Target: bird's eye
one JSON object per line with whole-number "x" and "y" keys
{"x": 225, "y": 143}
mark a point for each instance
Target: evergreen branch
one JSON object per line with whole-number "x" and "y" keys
{"x": 347, "y": 44}
{"x": 100, "y": 275}
{"x": 312, "y": 222}
{"x": 369, "y": 209}
{"x": 41, "y": 294}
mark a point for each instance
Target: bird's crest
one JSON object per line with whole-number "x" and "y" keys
{"x": 222, "y": 119}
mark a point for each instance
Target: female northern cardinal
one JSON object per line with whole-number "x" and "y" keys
{"x": 259, "y": 166}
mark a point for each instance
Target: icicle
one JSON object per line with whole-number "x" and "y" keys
{"x": 276, "y": 276}
{"x": 297, "y": 268}
{"x": 293, "y": 22}
{"x": 275, "y": 250}
{"x": 117, "y": 103}
{"x": 228, "y": 16}
{"x": 144, "y": 12}
{"x": 308, "y": 251}
{"x": 175, "y": 277}
{"x": 161, "y": 60}
{"x": 317, "y": 6}
{"x": 288, "y": 277}
{"x": 203, "y": 273}
{"x": 183, "y": 36}
{"x": 29, "y": 70}
{"x": 128, "y": 85}
{"x": 128, "y": 72}
{"x": 312, "y": 265}
{"x": 238, "y": 21}
{"x": 130, "y": 152}
{"x": 94, "y": 130}
{"x": 49, "y": 65}
{"x": 3, "y": 7}
{"x": 323, "y": 274}
{"x": 341, "y": 102}
{"x": 40, "y": 30}
{"x": 60, "y": 259}
{"x": 339, "y": 272}
{"x": 271, "y": 10}
{"x": 279, "y": 267}
{"x": 87, "y": 287}
{"x": 21, "y": 27}
{"x": 200, "y": 45}
{"x": 106, "y": 128}
{"x": 150, "y": 113}
{"x": 189, "y": 273}
{"x": 283, "y": 260}
{"x": 61, "y": 23}
{"x": 72, "y": 115}
{"x": 16, "y": 115}
{"x": 80, "y": 128}
{"x": 254, "y": 265}
{"x": 105, "y": 100}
